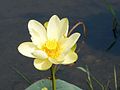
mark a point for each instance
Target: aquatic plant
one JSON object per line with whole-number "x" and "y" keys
{"x": 51, "y": 45}
{"x": 115, "y": 24}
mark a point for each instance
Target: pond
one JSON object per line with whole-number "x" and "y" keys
{"x": 14, "y": 18}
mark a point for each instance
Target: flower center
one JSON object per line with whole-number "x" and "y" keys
{"x": 52, "y": 48}
{"x": 51, "y": 45}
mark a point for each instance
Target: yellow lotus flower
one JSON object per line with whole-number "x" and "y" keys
{"x": 50, "y": 44}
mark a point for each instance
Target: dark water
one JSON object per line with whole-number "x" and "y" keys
{"x": 14, "y": 17}
{"x": 101, "y": 35}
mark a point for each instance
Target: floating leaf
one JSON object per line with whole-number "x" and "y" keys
{"x": 61, "y": 85}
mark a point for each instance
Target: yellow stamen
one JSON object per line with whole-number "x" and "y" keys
{"x": 52, "y": 48}
{"x": 51, "y": 45}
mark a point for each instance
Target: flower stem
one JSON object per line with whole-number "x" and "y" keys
{"x": 53, "y": 70}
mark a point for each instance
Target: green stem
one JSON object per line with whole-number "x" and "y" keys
{"x": 53, "y": 70}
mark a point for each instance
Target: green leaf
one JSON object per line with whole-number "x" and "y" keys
{"x": 46, "y": 83}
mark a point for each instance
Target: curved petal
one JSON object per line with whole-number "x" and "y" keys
{"x": 56, "y": 61}
{"x": 53, "y": 28}
{"x": 37, "y": 32}
{"x": 70, "y": 42}
{"x": 40, "y": 54}
{"x": 42, "y": 64}
{"x": 71, "y": 57}
{"x": 64, "y": 26}
{"x": 27, "y": 48}
{"x": 57, "y": 28}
